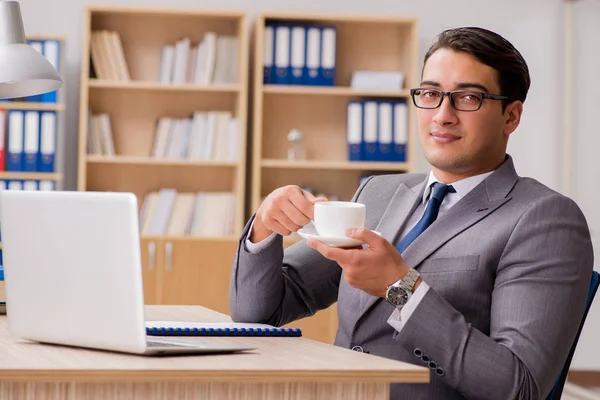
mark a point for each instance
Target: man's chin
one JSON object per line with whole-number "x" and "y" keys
{"x": 445, "y": 162}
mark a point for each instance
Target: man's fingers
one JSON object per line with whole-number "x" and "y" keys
{"x": 310, "y": 197}
{"x": 298, "y": 208}
{"x": 337, "y": 254}
{"x": 281, "y": 217}
{"x": 304, "y": 201}
{"x": 365, "y": 235}
{"x": 276, "y": 227}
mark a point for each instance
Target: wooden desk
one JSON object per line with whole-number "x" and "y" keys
{"x": 280, "y": 368}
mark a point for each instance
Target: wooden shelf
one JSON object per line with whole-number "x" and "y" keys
{"x": 343, "y": 91}
{"x": 191, "y": 238}
{"x": 50, "y": 176}
{"x": 23, "y": 105}
{"x": 320, "y": 112}
{"x": 157, "y": 86}
{"x": 337, "y": 18}
{"x": 46, "y": 37}
{"x": 166, "y": 12}
{"x": 335, "y": 165}
{"x": 176, "y": 269}
{"x": 132, "y": 160}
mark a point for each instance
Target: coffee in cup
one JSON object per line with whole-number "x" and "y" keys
{"x": 332, "y": 218}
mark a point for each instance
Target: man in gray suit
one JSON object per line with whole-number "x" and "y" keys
{"x": 479, "y": 274}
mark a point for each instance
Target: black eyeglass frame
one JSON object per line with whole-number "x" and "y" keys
{"x": 443, "y": 94}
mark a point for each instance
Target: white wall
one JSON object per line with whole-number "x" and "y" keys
{"x": 586, "y": 145}
{"x": 534, "y": 26}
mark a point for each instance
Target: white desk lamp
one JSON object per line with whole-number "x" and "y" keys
{"x": 23, "y": 70}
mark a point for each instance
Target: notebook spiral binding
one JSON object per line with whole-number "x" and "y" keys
{"x": 223, "y": 332}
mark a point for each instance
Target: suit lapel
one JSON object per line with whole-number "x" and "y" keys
{"x": 477, "y": 204}
{"x": 467, "y": 212}
{"x": 399, "y": 209}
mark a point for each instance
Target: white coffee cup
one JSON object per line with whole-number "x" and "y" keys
{"x": 332, "y": 218}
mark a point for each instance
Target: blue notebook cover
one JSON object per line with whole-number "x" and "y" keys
{"x": 175, "y": 328}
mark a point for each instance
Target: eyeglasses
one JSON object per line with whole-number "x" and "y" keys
{"x": 461, "y": 100}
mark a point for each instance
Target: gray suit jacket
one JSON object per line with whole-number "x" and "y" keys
{"x": 509, "y": 268}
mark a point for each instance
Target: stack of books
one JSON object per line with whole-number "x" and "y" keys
{"x": 169, "y": 212}
{"x": 100, "y": 138}
{"x": 215, "y": 59}
{"x": 206, "y": 136}
{"x": 108, "y": 58}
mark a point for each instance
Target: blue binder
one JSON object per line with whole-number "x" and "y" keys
{"x": 328, "y": 56}
{"x": 282, "y": 54}
{"x": 354, "y": 130}
{"x": 370, "y": 141}
{"x": 14, "y": 135}
{"x": 400, "y": 124}
{"x": 52, "y": 54}
{"x": 31, "y": 141}
{"x": 297, "y": 54}
{"x": 269, "y": 52}
{"x": 47, "y": 152}
{"x": 38, "y": 45}
{"x": 385, "y": 130}
{"x": 313, "y": 56}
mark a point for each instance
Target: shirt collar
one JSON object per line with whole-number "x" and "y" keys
{"x": 462, "y": 186}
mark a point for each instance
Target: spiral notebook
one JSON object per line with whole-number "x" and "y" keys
{"x": 176, "y": 328}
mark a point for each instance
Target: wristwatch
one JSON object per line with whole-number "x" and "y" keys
{"x": 398, "y": 293}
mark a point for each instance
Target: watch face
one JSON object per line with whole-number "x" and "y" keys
{"x": 398, "y": 296}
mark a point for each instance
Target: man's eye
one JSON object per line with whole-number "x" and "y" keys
{"x": 470, "y": 97}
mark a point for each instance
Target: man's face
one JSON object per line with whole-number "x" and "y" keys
{"x": 461, "y": 143}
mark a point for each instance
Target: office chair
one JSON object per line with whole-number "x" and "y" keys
{"x": 556, "y": 392}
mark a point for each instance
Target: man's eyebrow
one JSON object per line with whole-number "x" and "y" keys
{"x": 430, "y": 83}
{"x": 470, "y": 85}
{"x": 461, "y": 85}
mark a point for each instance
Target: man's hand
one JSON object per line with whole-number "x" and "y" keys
{"x": 284, "y": 211}
{"x": 371, "y": 269}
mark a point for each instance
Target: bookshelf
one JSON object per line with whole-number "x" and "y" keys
{"x": 147, "y": 89}
{"x": 320, "y": 112}
{"x": 49, "y": 136}
{"x": 36, "y": 178}
{"x": 54, "y": 105}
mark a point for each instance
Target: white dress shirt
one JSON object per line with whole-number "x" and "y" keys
{"x": 399, "y": 317}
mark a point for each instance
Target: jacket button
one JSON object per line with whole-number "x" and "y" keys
{"x": 418, "y": 352}
{"x": 425, "y": 359}
{"x": 440, "y": 372}
{"x": 432, "y": 365}
{"x": 358, "y": 348}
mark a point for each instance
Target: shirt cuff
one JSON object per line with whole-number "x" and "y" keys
{"x": 256, "y": 247}
{"x": 400, "y": 316}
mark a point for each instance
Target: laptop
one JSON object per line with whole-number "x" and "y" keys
{"x": 73, "y": 273}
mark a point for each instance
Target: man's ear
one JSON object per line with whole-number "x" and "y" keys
{"x": 512, "y": 116}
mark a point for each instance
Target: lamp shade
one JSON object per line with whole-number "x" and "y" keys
{"x": 23, "y": 70}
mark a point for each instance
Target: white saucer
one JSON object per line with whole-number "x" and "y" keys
{"x": 309, "y": 232}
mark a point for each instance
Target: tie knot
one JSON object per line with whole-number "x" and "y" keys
{"x": 440, "y": 190}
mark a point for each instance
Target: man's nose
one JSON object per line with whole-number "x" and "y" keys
{"x": 445, "y": 114}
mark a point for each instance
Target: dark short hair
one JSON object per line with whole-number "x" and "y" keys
{"x": 493, "y": 50}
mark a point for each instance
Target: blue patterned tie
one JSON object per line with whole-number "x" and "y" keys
{"x": 438, "y": 193}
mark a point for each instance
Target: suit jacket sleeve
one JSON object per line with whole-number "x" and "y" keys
{"x": 276, "y": 287}
{"x": 538, "y": 300}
